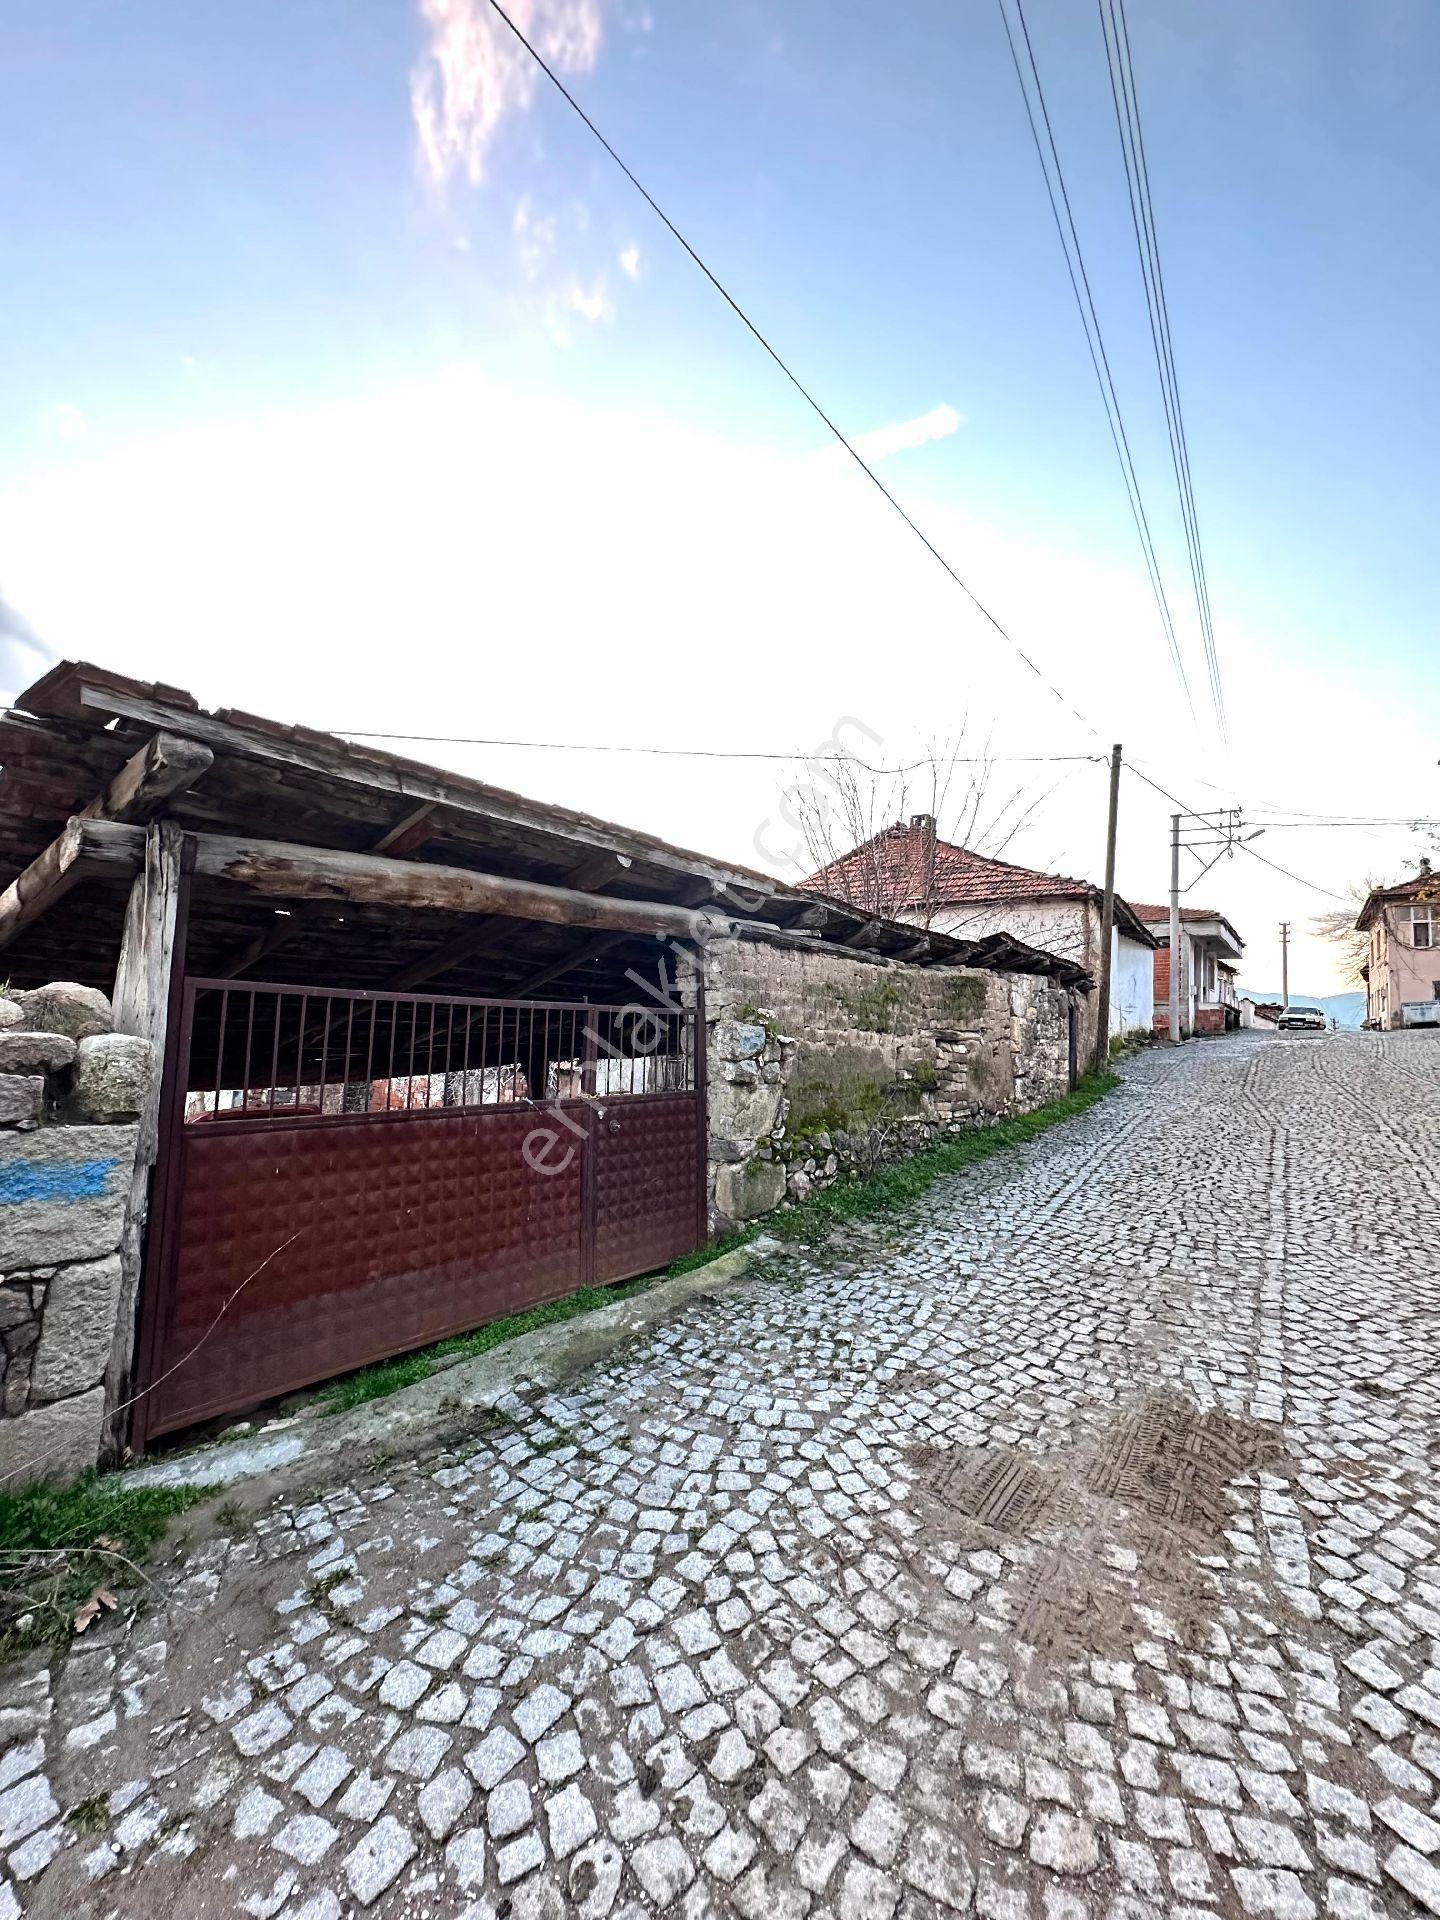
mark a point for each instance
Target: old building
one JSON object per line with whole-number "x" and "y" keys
{"x": 1402, "y": 972}
{"x": 1210, "y": 950}
{"x": 909, "y": 874}
{"x": 428, "y": 1052}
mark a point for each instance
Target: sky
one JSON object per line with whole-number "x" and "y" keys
{"x": 346, "y": 380}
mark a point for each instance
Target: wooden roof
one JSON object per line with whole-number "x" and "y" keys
{"x": 68, "y": 735}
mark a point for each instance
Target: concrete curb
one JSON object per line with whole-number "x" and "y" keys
{"x": 292, "y": 1452}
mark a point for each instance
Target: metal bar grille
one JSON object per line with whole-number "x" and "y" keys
{"x": 269, "y": 1052}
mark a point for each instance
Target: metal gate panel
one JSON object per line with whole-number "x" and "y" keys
{"x": 351, "y": 1243}
{"x": 647, "y": 1164}
{"x": 312, "y": 1218}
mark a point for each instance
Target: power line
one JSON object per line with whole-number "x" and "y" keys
{"x": 714, "y": 753}
{"x": 791, "y": 376}
{"x": 1116, "y": 32}
{"x": 1090, "y": 323}
{"x": 1298, "y": 878}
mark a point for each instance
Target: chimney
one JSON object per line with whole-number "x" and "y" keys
{"x": 1424, "y": 866}
{"x": 923, "y": 823}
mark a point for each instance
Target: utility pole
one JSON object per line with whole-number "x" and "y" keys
{"x": 1107, "y": 918}
{"x": 1175, "y": 954}
{"x": 1284, "y": 963}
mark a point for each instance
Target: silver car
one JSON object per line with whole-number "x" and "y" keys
{"x": 1302, "y": 1020}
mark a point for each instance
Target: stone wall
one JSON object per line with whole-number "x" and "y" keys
{"x": 70, "y": 1094}
{"x": 823, "y": 1063}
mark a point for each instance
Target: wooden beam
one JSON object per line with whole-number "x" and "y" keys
{"x": 409, "y": 832}
{"x": 147, "y": 981}
{"x": 527, "y": 988}
{"x": 331, "y": 761}
{"x": 86, "y": 847}
{"x": 592, "y": 871}
{"x": 279, "y": 870}
{"x": 163, "y": 767}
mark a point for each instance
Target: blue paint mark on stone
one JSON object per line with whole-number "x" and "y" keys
{"x": 26, "y": 1180}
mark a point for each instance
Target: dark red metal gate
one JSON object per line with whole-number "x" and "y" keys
{"x": 346, "y": 1176}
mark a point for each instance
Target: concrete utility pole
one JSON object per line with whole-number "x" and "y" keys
{"x": 1107, "y": 918}
{"x": 1284, "y": 963}
{"x": 1176, "y": 956}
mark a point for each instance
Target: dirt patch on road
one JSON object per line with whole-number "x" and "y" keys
{"x": 1125, "y": 1519}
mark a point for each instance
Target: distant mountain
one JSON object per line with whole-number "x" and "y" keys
{"x": 1346, "y": 1008}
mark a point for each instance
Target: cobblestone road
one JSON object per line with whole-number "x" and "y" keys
{"x": 1068, "y": 1548}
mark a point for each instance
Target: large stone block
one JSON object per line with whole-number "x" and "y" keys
{"x": 52, "y": 1443}
{"x": 22, "y": 1099}
{"x": 111, "y": 1078}
{"x": 738, "y": 1039}
{"x": 66, "y": 1007}
{"x": 22, "y": 1052}
{"x": 745, "y": 1192}
{"x": 78, "y": 1328}
{"x": 744, "y": 1111}
{"x": 11, "y": 1014}
{"x": 62, "y": 1194}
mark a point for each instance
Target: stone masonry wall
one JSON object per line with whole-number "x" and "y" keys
{"x": 821, "y": 1064}
{"x": 70, "y": 1093}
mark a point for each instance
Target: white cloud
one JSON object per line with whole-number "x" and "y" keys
{"x": 534, "y": 237}
{"x": 630, "y": 262}
{"x": 903, "y": 436}
{"x": 66, "y": 422}
{"x": 474, "y": 73}
{"x": 575, "y": 301}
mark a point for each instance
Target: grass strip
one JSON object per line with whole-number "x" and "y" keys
{"x": 50, "y": 1562}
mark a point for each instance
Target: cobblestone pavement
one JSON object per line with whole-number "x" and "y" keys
{"x": 1069, "y": 1547}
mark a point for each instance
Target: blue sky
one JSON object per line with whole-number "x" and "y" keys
{"x": 292, "y": 411}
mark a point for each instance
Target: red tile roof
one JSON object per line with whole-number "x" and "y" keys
{"x": 892, "y": 872}
{"x": 1425, "y": 886}
{"x": 1152, "y": 914}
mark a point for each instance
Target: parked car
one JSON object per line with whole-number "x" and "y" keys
{"x": 1302, "y": 1020}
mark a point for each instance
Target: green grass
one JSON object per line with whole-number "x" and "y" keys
{"x": 49, "y": 1563}
{"x": 374, "y": 1383}
{"x": 898, "y": 1185}
{"x": 879, "y": 1193}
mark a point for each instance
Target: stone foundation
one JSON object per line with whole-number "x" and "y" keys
{"x": 822, "y": 1064}
{"x": 70, "y": 1095}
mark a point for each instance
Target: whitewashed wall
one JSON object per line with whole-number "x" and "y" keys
{"x": 1132, "y": 986}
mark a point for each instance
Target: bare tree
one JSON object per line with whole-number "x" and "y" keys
{"x": 874, "y": 831}
{"x": 1339, "y": 929}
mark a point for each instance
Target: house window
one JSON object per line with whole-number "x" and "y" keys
{"x": 1421, "y": 926}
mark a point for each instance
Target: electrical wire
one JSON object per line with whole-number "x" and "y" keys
{"x": 1298, "y": 878}
{"x": 793, "y": 378}
{"x": 1116, "y": 32}
{"x": 714, "y": 753}
{"x": 1090, "y": 323}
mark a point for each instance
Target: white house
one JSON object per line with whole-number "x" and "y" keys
{"x": 906, "y": 873}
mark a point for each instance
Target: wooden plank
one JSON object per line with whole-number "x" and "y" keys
{"x": 164, "y": 766}
{"x": 85, "y": 847}
{"x": 416, "y": 783}
{"x": 281, "y": 870}
{"x": 409, "y": 833}
{"x": 143, "y": 1000}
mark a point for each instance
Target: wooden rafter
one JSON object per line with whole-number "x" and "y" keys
{"x": 163, "y": 767}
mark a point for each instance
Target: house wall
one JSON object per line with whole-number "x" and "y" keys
{"x": 1132, "y": 986}
{"x": 1067, "y": 928}
{"x": 822, "y": 1062}
{"x": 1399, "y": 971}
{"x": 70, "y": 1094}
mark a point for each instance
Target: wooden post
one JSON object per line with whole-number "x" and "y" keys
{"x": 1107, "y": 921}
{"x": 147, "y": 986}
